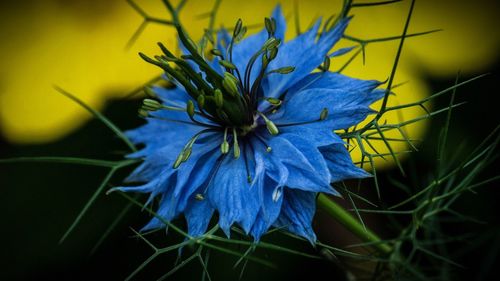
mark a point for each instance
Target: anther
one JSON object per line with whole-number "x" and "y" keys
{"x": 151, "y": 105}
{"x": 326, "y": 64}
{"x": 201, "y": 101}
{"x": 227, "y": 64}
{"x": 271, "y": 127}
{"x": 219, "y": 99}
{"x": 216, "y": 52}
{"x": 283, "y": 70}
{"x": 236, "y": 146}
{"x": 224, "y": 147}
{"x": 190, "y": 108}
{"x": 274, "y": 101}
{"x": 324, "y": 114}
{"x": 229, "y": 84}
{"x": 237, "y": 28}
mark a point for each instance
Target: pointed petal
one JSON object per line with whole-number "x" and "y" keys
{"x": 198, "y": 214}
{"x": 297, "y": 213}
{"x": 340, "y": 163}
{"x": 233, "y": 196}
{"x": 307, "y": 170}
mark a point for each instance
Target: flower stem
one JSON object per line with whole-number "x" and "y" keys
{"x": 352, "y": 224}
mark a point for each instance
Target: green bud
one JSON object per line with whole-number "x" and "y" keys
{"x": 269, "y": 26}
{"x": 326, "y": 64}
{"x": 178, "y": 161}
{"x": 237, "y": 28}
{"x": 271, "y": 43}
{"x": 190, "y": 108}
{"x": 201, "y": 101}
{"x": 219, "y": 99}
{"x": 283, "y": 70}
{"x": 324, "y": 114}
{"x": 151, "y": 105}
{"x": 269, "y": 149}
{"x": 227, "y": 64}
{"x": 216, "y": 52}
{"x": 271, "y": 127}
{"x": 274, "y": 101}
{"x": 229, "y": 84}
{"x": 241, "y": 34}
{"x": 236, "y": 150}
{"x": 186, "y": 154}
{"x": 272, "y": 54}
{"x": 143, "y": 113}
{"x": 224, "y": 147}
{"x": 236, "y": 146}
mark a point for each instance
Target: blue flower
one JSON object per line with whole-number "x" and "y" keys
{"x": 249, "y": 135}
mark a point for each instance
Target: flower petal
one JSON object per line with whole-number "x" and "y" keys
{"x": 233, "y": 196}
{"x": 306, "y": 167}
{"x": 297, "y": 213}
{"x": 340, "y": 163}
{"x": 198, "y": 214}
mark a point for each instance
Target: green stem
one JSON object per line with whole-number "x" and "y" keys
{"x": 352, "y": 224}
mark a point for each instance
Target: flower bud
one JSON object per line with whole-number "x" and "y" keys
{"x": 219, "y": 99}
{"x": 224, "y": 147}
{"x": 227, "y": 64}
{"x": 229, "y": 84}
{"x": 151, "y": 105}
{"x": 201, "y": 101}
{"x": 190, "y": 108}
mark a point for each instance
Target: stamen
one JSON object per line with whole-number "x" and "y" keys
{"x": 282, "y": 70}
{"x": 219, "y": 99}
{"x": 190, "y": 109}
{"x": 271, "y": 127}
{"x": 236, "y": 147}
{"x": 227, "y": 64}
{"x": 188, "y": 149}
{"x": 324, "y": 114}
{"x": 229, "y": 84}
{"x": 268, "y": 148}
{"x": 224, "y": 147}
{"x": 274, "y": 101}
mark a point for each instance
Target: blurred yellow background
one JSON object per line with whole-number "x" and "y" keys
{"x": 80, "y": 46}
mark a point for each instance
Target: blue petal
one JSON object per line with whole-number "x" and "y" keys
{"x": 198, "y": 214}
{"x": 341, "y": 51}
{"x": 297, "y": 213}
{"x": 364, "y": 89}
{"x": 306, "y": 167}
{"x": 305, "y": 54}
{"x": 345, "y": 109}
{"x": 269, "y": 191}
{"x": 233, "y": 196}
{"x": 165, "y": 210}
{"x": 340, "y": 163}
